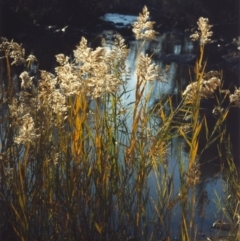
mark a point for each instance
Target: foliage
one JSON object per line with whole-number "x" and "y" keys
{"x": 75, "y": 160}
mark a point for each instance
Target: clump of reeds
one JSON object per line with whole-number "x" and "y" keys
{"x": 73, "y": 168}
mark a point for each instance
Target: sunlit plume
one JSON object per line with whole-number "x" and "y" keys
{"x": 143, "y": 29}
{"x": 204, "y": 33}
{"x": 27, "y": 131}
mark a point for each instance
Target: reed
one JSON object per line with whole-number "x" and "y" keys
{"x": 76, "y": 161}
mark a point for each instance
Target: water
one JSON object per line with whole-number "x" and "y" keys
{"x": 174, "y": 52}
{"x": 119, "y": 20}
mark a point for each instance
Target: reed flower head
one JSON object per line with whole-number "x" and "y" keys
{"x": 147, "y": 70}
{"x": 62, "y": 59}
{"x": 31, "y": 58}
{"x": 143, "y": 29}
{"x": 235, "y": 97}
{"x": 24, "y": 104}
{"x": 48, "y": 81}
{"x": 209, "y": 86}
{"x": 204, "y": 32}
{"x": 94, "y": 69}
{"x": 26, "y": 80}
{"x": 15, "y": 109}
{"x": 57, "y": 102}
{"x": 27, "y": 131}
{"x": 70, "y": 82}
{"x": 13, "y": 50}
{"x": 206, "y": 89}
{"x": 51, "y": 99}
{"x": 117, "y": 55}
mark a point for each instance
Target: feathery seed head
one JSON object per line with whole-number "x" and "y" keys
{"x": 27, "y": 131}
{"x": 143, "y": 29}
{"x": 26, "y": 80}
{"x": 13, "y": 50}
{"x": 204, "y": 31}
{"x": 31, "y": 58}
{"x": 94, "y": 68}
{"x": 147, "y": 70}
{"x": 48, "y": 81}
{"x": 57, "y": 102}
{"x": 62, "y": 59}
{"x": 206, "y": 88}
{"x": 235, "y": 98}
{"x": 67, "y": 76}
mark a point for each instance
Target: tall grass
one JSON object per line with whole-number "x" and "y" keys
{"x": 76, "y": 160}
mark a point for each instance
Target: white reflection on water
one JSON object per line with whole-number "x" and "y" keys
{"x": 177, "y": 49}
{"x": 116, "y": 18}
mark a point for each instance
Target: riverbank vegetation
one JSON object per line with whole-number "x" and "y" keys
{"x": 78, "y": 163}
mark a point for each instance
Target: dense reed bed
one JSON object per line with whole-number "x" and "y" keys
{"x": 75, "y": 160}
